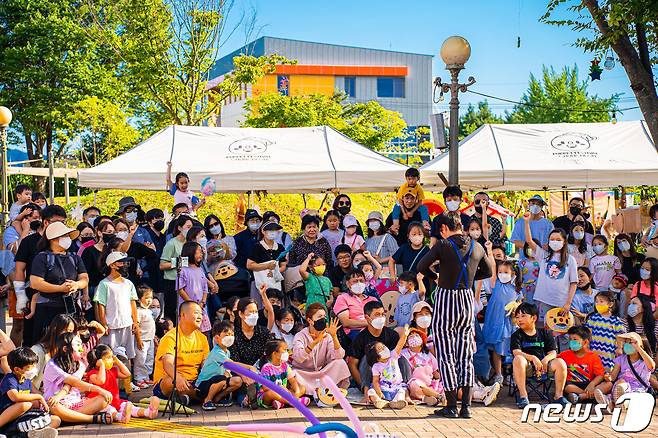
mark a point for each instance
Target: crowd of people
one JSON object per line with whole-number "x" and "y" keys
{"x": 130, "y": 299}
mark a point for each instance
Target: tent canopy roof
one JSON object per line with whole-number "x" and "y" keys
{"x": 551, "y": 156}
{"x": 278, "y": 160}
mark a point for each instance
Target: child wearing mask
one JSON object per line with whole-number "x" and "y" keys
{"x": 640, "y": 319}
{"x": 578, "y": 246}
{"x": 585, "y": 370}
{"x": 277, "y": 369}
{"x": 605, "y": 325}
{"x": 145, "y": 352}
{"x": 409, "y": 253}
{"x": 318, "y": 287}
{"x": 351, "y": 237}
{"x": 425, "y": 382}
{"x": 284, "y": 326}
{"x": 388, "y": 388}
{"x": 412, "y": 290}
{"x": 604, "y": 266}
{"x": 583, "y": 301}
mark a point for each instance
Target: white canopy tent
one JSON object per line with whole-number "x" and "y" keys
{"x": 551, "y": 156}
{"x": 278, "y": 160}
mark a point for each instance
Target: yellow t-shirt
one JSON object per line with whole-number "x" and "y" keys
{"x": 417, "y": 191}
{"x": 192, "y": 351}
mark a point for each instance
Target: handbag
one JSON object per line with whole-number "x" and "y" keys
{"x": 650, "y": 390}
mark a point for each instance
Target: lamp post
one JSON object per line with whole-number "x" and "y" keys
{"x": 455, "y": 51}
{"x": 5, "y": 120}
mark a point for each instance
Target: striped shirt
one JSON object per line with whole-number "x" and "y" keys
{"x": 604, "y": 337}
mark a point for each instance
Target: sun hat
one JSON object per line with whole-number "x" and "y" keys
{"x": 59, "y": 229}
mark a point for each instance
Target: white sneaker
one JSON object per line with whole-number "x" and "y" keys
{"x": 491, "y": 394}
{"x": 380, "y": 404}
{"x": 46, "y": 432}
{"x": 498, "y": 378}
{"x": 430, "y": 401}
{"x": 603, "y": 399}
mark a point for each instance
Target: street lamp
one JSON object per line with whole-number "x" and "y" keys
{"x": 455, "y": 51}
{"x": 5, "y": 120}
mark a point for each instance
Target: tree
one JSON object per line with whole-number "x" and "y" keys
{"x": 49, "y": 64}
{"x": 367, "y": 123}
{"x": 474, "y": 118}
{"x": 168, "y": 49}
{"x": 630, "y": 28}
{"x": 555, "y": 90}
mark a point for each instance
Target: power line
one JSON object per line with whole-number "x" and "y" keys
{"x": 557, "y": 108}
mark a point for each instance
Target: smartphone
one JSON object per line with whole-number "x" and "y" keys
{"x": 69, "y": 305}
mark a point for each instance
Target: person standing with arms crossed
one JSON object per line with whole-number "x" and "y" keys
{"x": 461, "y": 261}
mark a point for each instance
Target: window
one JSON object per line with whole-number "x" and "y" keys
{"x": 350, "y": 86}
{"x": 390, "y": 87}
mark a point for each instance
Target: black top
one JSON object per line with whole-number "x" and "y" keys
{"x": 631, "y": 267}
{"x": 56, "y": 269}
{"x": 336, "y": 275}
{"x": 261, "y": 255}
{"x": 565, "y": 223}
{"x": 26, "y": 252}
{"x": 440, "y": 219}
{"x": 245, "y": 241}
{"x": 538, "y": 345}
{"x": 388, "y": 337}
{"x": 248, "y": 351}
{"x": 409, "y": 257}
{"x": 139, "y": 251}
{"x": 450, "y": 264}
{"x": 401, "y": 237}
{"x": 496, "y": 229}
{"x": 91, "y": 258}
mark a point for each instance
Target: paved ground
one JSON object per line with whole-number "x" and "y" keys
{"x": 501, "y": 419}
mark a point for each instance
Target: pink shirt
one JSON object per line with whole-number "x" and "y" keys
{"x": 603, "y": 268}
{"x": 184, "y": 197}
{"x": 354, "y": 306}
{"x": 644, "y": 289}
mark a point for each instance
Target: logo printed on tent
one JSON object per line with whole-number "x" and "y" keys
{"x": 249, "y": 148}
{"x": 572, "y": 141}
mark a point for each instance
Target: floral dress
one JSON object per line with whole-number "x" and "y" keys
{"x": 529, "y": 272}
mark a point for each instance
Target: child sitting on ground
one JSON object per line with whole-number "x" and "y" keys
{"x": 105, "y": 370}
{"x": 276, "y": 368}
{"x": 411, "y": 185}
{"x": 585, "y": 368}
{"x": 631, "y": 372}
{"x": 412, "y": 290}
{"x": 16, "y": 396}
{"x": 388, "y": 387}
{"x": 534, "y": 353}
{"x": 425, "y": 382}
{"x": 215, "y": 383}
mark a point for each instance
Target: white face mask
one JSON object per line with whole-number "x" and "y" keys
{"x": 31, "y": 373}
{"x": 252, "y": 320}
{"x": 227, "y": 341}
{"x": 91, "y": 220}
{"x": 64, "y": 242}
{"x": 358, "y": 288}
{"x": 123, "y": 235}
{"x": 374, "y": 225}
{"x": 416, "y": 240}
{"x": 216, "y": 230}
{"x": 475, "y": 234}
{"x": 624, "y": 245}
{"x": 598, "y": 248}
{"x": 556, "y": 245}
{"x": 534, "y": 209}
{"x": 203, "y": 242}
{"x": 505, "y": 277}
{"x": 402, "y": 289}
{"x": 385, "y": 353}
{"x": 287, "y": 327}
{"x": 378, "y": 323}
{"x": 453, "y": 205}
{"x": 578, "y": 235}
{"x": 155, "y": 312}
{"x": 254, "y": 226}
{"x": 131, "y": 217}
{"x": 285, "y": 356}
{"x": 271, "y": 235}
{"x": 424, "y": 321}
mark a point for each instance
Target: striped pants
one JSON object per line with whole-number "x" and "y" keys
{"x": 454, "y": 337}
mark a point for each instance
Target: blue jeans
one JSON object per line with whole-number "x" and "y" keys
{"x": 481, "y": 361}
{"x": 424, "y": 214}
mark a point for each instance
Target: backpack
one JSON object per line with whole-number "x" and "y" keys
{"x": 34, "y": 419}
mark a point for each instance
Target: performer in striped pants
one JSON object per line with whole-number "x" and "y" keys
{"x": 460, "y": 261}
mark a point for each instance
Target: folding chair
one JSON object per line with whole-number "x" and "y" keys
{"x": 539, "y": 387}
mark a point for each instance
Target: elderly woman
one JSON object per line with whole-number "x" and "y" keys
{"x": 309, "y": 242}
{"x": 316, "y": 352}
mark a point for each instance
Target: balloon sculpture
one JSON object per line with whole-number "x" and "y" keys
{"x": 316, "y": 427}
{"x": 208, "y": 186}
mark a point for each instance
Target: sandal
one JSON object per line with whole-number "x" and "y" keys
{"x": 101, "y": 418}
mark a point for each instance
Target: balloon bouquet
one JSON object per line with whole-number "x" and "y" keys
{"x": 316, "y": 426}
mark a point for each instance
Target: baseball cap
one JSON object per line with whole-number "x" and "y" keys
{"x": 622, "y": 278}
{"x": 349, "y": 221}
{"x": 420, "y": 305}
{"x": 116, "y": 256}
{"x": 408, "y": 191}
{"x": 375, "y": 215}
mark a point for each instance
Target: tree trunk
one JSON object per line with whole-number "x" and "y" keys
{"x": 35, "y": 152}
{"x": 641, "y": 80}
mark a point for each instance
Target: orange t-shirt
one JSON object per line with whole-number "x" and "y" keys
{"x": 582, "y": 369}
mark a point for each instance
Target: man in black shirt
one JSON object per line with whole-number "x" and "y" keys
{"x": 480, "y": 202}
{"x": 535, "y": 348}
{"x": 24, "y": 257}
{"x": 375, "y": 332}
{"x": 461, "y": 260}
{"x": 336, "y": 273}
{"x": 576, "y": 208}
{"x": 452, "y": 196}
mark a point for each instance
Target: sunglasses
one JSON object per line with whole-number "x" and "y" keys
{"x": 344, "y": 203}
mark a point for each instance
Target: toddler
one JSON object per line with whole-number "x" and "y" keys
{"x": 425, "y": 382}
{"x": 145, "y": 352}
{"x": 412, "y": 290}
{"x": 276, "y": 368}
{"x": 388, "y": 388}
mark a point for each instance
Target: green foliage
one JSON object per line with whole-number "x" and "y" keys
{"x": 560, "y": 90}
{"x": 476, "y": 117}
{"x": 367, "y": 123}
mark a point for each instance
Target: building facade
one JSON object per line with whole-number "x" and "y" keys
{"x": 399, "y": 81}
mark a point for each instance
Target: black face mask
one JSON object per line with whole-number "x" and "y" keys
{"x": 320, "y": 324}
{"x": 84, "y": 337}
{"x": 478, "y": 209}
{"x": 586, "y": 215}
{"x": 344, "y": 209}
{"x": 575, "y": 211}
{"x": 107, "y": 237}
{"x": 276, "y": 309}
{"x": 35, "y": 225}
{"x": 86, "y": 239}
{"x": 158, "y": 225}
{"x": 124, "y": 271}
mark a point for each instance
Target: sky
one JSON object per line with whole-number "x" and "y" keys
{"x": 420, "y": 26}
